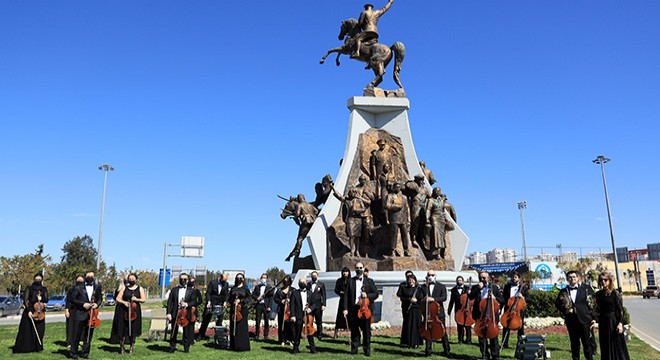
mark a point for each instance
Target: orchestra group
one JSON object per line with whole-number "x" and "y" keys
{"x": 300, "y": 310}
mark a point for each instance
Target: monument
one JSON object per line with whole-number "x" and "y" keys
{"x": 383, "y": 211}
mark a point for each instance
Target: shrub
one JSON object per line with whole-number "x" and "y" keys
{"x": 541, "y": 304}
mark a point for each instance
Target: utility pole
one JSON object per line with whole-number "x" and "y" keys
{"x": 601, "y": 160}
{"x": 105, "y": 168}
{"x": 522, "y": 206}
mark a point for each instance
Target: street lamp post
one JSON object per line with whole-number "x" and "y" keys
{"x": 522, "y": 206}
{"x": 105, "y": 168}
{"x": 601, "y": 160}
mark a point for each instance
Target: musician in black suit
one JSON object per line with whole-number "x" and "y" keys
{"x": 513, "y": 289}
{"x": 216, "y": 295}
{"x": 262, "y": 295}
{"x": 318, "y": 288}
{"x": 182, "y": 297}
{"x": 303, "y": 302}
{"x": 282, "y": 298}
{"x": 87, "y": 296}
{"x": 404, "y": 308}
{"x": 464, "y": 332}
{"x": 432, "y": 290}
{"x": 70, "y": 332}
{"x": 573, "y": 302}
{"x": 478, "y": 293}
{"x": 359, "y": 287}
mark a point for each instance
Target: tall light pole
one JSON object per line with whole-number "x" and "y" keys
{"x": 522, "y": 206}
{"x": 601, "y": 160}
{"x": 105, "y": 168}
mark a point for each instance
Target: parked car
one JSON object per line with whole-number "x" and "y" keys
{"x": 56, "y": 303}
{"x": 650, "y": 291}
{"x": 109, "y": 300}
{"x": 9, "y": 305}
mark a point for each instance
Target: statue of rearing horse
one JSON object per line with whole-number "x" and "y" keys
{"x": 376, "y": 55}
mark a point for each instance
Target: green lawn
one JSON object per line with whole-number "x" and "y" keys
{"x": 382, "y": 348}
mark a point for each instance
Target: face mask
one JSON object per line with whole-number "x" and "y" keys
{"x": 263, "y": 281}
{"x": 431, "y": 278}
{"x": 37, "y": 282}
{"x": 131, "y": 283}
{"x": 183, "y": 282}
{"x": 80, "y": 282}
{"x": 238, "y": 282}
{"x": 314, "y": 279}
{"x": 359, "y": 272}
{"x": 302, "y": 285}
{"x": 89, "y": 280}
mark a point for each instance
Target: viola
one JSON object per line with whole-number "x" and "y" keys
{"x": 464, "y": 315}
{"x": 94, "y": 320}
{"x": 364, "y": 312}
{"x": 486, "y": 325}
{"x": 512, "y": 317}
{"x": 433, "y": 328}
{"x": 308, "y": 329}
{"x": 39, "y": 308}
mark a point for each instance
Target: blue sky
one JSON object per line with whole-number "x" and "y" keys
{"x": 209, "y": 109}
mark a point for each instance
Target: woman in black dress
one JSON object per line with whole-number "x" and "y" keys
{"x": 284, "y": 331}
{"x": 340, "y": 288}
{"x": 410, "y": 298}
{"x": 238, "y": 330}
{"x": 609, "y": 306}
{"x": 30, "y": 330}
{"x": 118, "y": 317}
{"x": 130, "y": 297}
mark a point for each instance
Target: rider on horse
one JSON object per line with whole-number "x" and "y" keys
{"x": 368, "y": 22}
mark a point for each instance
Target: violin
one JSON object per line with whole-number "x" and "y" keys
{"x": 486, "y": 325}
{"x": 308, "y": 329}
{"x": 237, "y": 311}
{"x": 131, "y": 314}
{"x": 94, "y": 320}
{"x": 512, "y": 318}
{"x": 464, "y": 315}
{"x": 39, "y": 308}
{"x": 364, "y": 312}
{"x": 182, "y": 316}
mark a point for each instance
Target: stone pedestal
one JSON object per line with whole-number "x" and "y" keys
{"x": 401, "y": 264}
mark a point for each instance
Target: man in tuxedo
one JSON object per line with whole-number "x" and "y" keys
{"x": 303, "y": 302}
{"x": 572, "y": 301}
{"x": 262, "y": 295}
{"x": 513, "y": 289}
{"x": 318, "y": 288}
{"x": 216, "y": 294}
{"x": 478, "y": 293}
{"x": 182, "y": 296}
{"x": 359, "y": 287}
{"x": 435, "y": 291}
{"x": 86, "y": 297}
{"x": 464, "y": 332}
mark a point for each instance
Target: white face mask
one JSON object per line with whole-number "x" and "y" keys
{"x": 431, "y": 278}
{"x": 263, "y": 281}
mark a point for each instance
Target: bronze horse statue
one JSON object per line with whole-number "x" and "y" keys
{"x": 376, "y": 55}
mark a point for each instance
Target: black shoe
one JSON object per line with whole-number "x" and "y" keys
{"x": 171, "y": 350}
{"x": 312, "y": 351}
{"x": 427, "y": 352}
{"x": 367, "y": 353}
{"x": 354, "y": 352}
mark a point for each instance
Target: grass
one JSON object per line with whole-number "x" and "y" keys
{"x": 382, "y": 348}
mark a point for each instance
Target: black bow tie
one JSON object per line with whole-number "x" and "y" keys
{"x": 572, "y": 288}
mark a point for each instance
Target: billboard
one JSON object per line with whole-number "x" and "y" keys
{"x": 549, "y": 272}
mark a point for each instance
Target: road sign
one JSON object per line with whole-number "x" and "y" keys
{"x": 168, "y": 275}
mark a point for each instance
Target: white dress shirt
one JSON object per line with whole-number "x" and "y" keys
{"x": 90, "y": 291}
{"x": 182, "y": 294}
{"x": 358, "y": 289}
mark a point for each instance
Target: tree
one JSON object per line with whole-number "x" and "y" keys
{"x": 18, "y": 272}
{"x": 79, "y": 256}
{"x": 275, "y": 274}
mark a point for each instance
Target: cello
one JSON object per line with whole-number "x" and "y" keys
{"x": 463, "y": 316}
{"x": 433, "y": 328}
{"x": 511, "y": 319}
{"x": 486, "y": 325}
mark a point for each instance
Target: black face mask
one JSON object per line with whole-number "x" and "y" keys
{"x": 359, "y": 272}
{"x": 302, "y": 285}
{"x": 314, "y": 279}
{"x": 89, "y": 280}
{"x": 79, "y": 282}
{"x": 238, "y": 282}
{"x": 37, "y": 283}
{"x": 183, "y": 282}
{"x": 131, "y": 283}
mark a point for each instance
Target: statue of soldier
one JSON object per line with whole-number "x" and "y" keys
{"x": 305, "y": 216}
{"x": 449, "y": 225}
{"x": 368, "y": 22}
{"x": 385, "y": 182}
{"x": 427, "y": 173}
{"x": 322, "y": 191}
{"x": 435, "y": 222}
{"x": 368, "y": 193}
{"x": 356, "y": 219}
{"x": 378, "y": 159}
{"x": 417, "y": 194}
{"x": 398, "y": 214}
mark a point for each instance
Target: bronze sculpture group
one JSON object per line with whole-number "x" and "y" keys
{"x": 361, "y": 43}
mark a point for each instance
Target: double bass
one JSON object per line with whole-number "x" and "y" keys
{"x": 463, "y": 316}
{"x": 486, "y": 325}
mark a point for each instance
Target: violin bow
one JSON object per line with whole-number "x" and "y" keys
{"x": 130, "y": 308}
{"x": 35, "y": 330}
